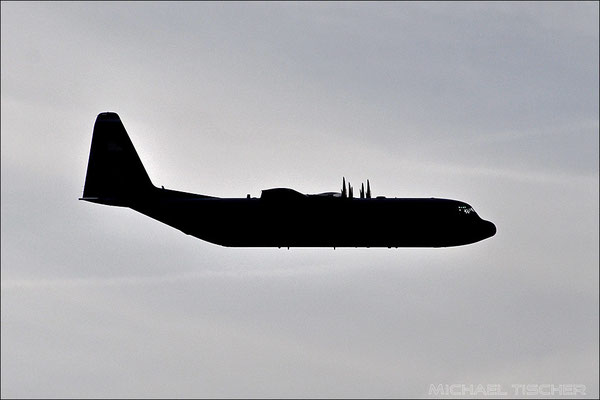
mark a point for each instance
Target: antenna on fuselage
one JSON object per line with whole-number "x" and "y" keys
{"x": 362, "y": 190}
{"x": 368, "y": 190}
{"x": 344, "y": 193}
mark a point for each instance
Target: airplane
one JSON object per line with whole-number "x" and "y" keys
{"x": 280, "y": 217}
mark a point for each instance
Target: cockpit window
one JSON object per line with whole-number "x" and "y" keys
{"x": 466, "y": 210}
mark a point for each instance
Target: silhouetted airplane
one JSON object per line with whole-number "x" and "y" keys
{"x": 281, "y": 217}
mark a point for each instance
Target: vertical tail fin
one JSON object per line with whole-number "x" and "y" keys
{"x": 115, "y": 174}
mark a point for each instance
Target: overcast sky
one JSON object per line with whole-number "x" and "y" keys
{"x": 494, "y": 104}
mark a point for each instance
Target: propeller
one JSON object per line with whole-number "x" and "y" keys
{"x": 348, "y": 191}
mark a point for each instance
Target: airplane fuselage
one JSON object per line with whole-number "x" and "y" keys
{"x": 318, "y": 221}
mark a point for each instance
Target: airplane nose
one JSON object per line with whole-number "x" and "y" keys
{"x": 490, "y": 229}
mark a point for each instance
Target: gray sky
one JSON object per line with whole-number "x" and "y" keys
{"x": 495, "y": 104}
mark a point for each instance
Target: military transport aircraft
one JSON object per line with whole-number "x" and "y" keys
{"x": 281, "y": 217}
